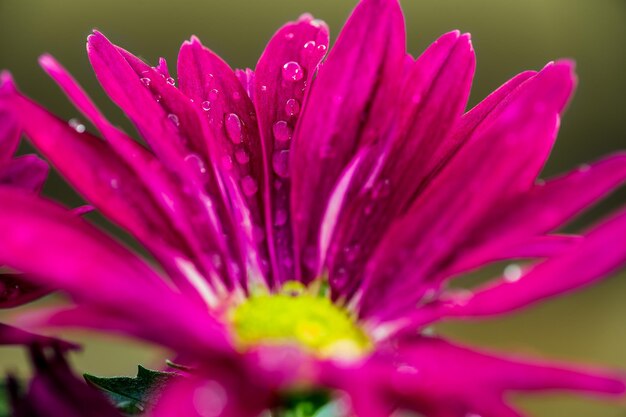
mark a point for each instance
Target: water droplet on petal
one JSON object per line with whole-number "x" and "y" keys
{"x": 206, "y": 105}
{"x": 213, "y": 94}
{"x": 292, "y": 71}
{"x": 264, "y": 88}
{"x": 195, "y": 162}
{"x": 233, "y": 127}
{"x": 249, "y": 186}
{"x": 280, "y": 163}
{"x": 282, "y": 131}
{"x": 145, "y": 81}
{"x": 114, "y": 183}
{"x": 170, "y": 81}
{"x": 76, "y": 125}
{"x": 174, "y": 119}
{"x": 321, "y": 48}
{"x": 512, "y": 273}
{"x": 289, "y": 36}
{"x": 351, "y": 252}
{"x": 309, "y": 47}
{"x": 236, "y": 96}
{"x": 242, "y": 156}
{"x": 227, "y": 162}
{"x": 210, "y": 399}
{"x": 292, "y": 107}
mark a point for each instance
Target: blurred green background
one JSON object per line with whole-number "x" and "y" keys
{"x": 508, "y": 37}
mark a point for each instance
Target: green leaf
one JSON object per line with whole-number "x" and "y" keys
{"x": 133, "y": 396}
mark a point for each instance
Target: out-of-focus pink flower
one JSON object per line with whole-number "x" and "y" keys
{"x": 28, "y": 173}
{"x": 360, "y": 177}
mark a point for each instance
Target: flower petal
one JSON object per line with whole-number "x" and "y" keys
{"x": 13, "y": 336}
{"x": 27, "y": 172}
{"x": 286, "y": 67}
{"x": 346, "y": 108}
{"x": 545, "y": 207}
{"x": 511, "y": 144}
{"x": 599, "y": 254}
{"x": 432, "y": 100}
{"x": 148, "y": 182}
{"x": 436, "y": 378}
{"x": 95, "y": 269}
{"x": 162, "y": 130}
{"x": 15, "y": 291}
{"x": 234, "y": 143}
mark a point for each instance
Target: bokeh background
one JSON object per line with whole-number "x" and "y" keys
{"x": 508, "y": 36}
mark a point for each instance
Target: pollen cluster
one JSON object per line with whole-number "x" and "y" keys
{"x": 297, "y": 317}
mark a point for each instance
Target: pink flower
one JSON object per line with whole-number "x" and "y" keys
{"x": 263, "y": 195}
{"x": 26, "y": 172}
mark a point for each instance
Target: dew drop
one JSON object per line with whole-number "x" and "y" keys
{"x": 170, "y": 81}
{"x": 282, "y": 131}
{"x": 351, "y": 252}
{"x": 174, "y": 119}
{"x": 309, "y": 47}
{"x": 76, "y": 125}
{"x": 292, "y": 107}
{"x": 227, "y": 162}
{"x": 236, "y": 96}
{"x": 340, "y": 278}
{"x": 289, "y": 36}
{"x": 249, "y": 185}
{"x": 233, "y": 128}
{"x": 512, "y": 273}
{"x": 206, "y": 105}
{"x": 114, "y": 183}
{"x": 292, "y": 71}
{"x": 210, "y": 399}
{"x": 213, "y": 94}
{"x": 195, "y": 162}
{"x": 321, "y": 49}
{"x": 280, "y": 163}
{"x": 145, "y": 81}
{"x": 242, "y": 156}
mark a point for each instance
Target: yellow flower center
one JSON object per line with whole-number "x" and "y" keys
{"x": 295, "y": 316}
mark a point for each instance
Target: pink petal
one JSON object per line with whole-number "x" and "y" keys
{"x": 57, "y": 248}
{"x": 158, "y": 127}
{"x": 9, "y": 128}
{"x": 13, "y": 336}
{"x": 511, "y": 146}
{"x": 27, "y": 172}
{"x": 546, "y": 207}
{"x": 432, "y": 100}
{"x": 347, "y": 107}
{"x": 15, "y": 291}
{"x": 235, "y": 145}
{"x": 435, "y": 378}
{"x": 147, "y": 172}
{"x": 600, "y": 253}
{"x": 286, "y": 67}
